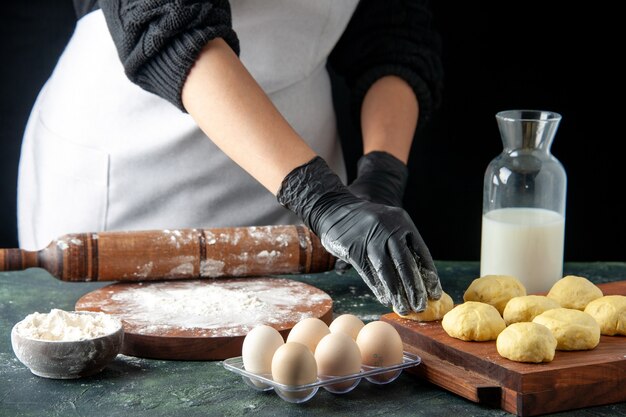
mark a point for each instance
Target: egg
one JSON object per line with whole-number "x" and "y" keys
{"x": 294, "y": 364}
{"x": 347, "y": 323}
{"x": 309, "y": 332}
{"x": 380, "y": 345}
{"x": 337, "y": 354}
{"x": 257, "y": 351}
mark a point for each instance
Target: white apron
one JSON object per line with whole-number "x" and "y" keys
{"x": 99, "y": 153}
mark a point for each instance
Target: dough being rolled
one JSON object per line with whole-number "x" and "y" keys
{"x": 435, "y": 310}
{"x": 527, "y": 307}
{"x": 575, "y": 292}
{"x": 496, "y": 290}
{"x": 526, "y": 342}
{"x": 573, "y": 329}
{"x": 473, "y": 321}
{"x": 610, "y": 313}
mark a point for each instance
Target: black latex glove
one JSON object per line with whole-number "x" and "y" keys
{"x": 381, "y": 178}
{"x": 380, "y": 242}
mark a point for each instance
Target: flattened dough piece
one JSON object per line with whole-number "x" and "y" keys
{"x": 526, "y": 342}
{"x": 610, "y": 313}
{"x": 435, "y": 310}
{"x": 473, "y": 321}
{"x": 573, "y": 329}
{"x": 496, "y": 290}
{"x": 575, "y": 292}
{"x": 526, "y": 308}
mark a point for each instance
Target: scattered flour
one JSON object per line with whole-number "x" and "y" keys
{"x": 59, "y": 325}
{"x": 210, "y": 308}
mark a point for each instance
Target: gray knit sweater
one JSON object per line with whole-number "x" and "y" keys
{"x": 159, "y": 40}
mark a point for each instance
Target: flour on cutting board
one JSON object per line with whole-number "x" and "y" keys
{"x": 211, "y": 308}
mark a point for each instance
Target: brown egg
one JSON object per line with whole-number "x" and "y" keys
{"x": 258, "y": 349}
{"x": 380, "y": 345}
{"x": 347, "y": 323}
{"x": 309, "y": 332}
{"x": 337, "y": 354}
{"x": 294, "y": 364}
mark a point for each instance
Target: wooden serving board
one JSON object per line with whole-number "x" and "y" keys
{"x": 204, "y": 319}
{"x": 476, "y": 371}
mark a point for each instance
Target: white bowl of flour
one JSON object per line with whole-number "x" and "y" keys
{"x": 67, "y": 344}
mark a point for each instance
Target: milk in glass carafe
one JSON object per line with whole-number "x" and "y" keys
{"x": 524, "y": 191}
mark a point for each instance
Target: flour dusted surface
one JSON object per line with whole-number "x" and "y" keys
{"x": 211, "y": 308}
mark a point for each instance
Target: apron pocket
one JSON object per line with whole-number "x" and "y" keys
{"x": 71, "y": 187}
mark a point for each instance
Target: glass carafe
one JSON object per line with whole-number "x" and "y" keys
{"x": 524, "y": 191}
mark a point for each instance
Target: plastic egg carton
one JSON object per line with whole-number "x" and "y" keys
{"x": 335, "y": 384}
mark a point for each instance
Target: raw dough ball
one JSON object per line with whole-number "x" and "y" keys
{"x": 527, "y": 307}
{"x": 526, "y": 342}
{"x": 435, "y": 310}
{"x": 573, "y": 329}
{"x": 574, "y": 292}
{"x": 496, "y": 290}
{"x": 610, "y": 313}
{"x": 473, "y": 321}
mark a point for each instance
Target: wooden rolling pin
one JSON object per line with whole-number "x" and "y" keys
{"x": 176, "y": 254}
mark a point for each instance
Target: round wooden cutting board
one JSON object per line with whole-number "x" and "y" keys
{"x": 204, "y": 319}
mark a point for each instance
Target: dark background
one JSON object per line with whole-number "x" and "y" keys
{"x": 534, "y": 54}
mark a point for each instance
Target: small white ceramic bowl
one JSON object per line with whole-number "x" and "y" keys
{"x": 67, "y": 359}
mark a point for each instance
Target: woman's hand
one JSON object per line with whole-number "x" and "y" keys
{"x": 381, "y": 178}
{"x": 379, "y": 241}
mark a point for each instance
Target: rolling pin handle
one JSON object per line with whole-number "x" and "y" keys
{"x": 17, "y": 259}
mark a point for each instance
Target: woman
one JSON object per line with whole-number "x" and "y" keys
{"x": 181, "y": 113}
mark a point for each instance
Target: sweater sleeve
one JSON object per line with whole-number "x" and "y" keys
{"x": 394, "y": 37}
{"x": 158, "y": 41}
